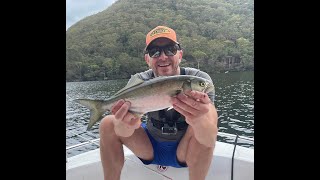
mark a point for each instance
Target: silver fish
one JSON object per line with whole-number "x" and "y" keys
{"x": 147, "y": 96}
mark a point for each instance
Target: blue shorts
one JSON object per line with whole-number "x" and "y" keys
{"x": 165, "y": 153}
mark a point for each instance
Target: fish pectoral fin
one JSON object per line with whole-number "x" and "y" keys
{"x": 178, "y": 92}
{"x": 175, "y": 92}
{"x": 170, "y": 108}
{"x": 137, "y": 114}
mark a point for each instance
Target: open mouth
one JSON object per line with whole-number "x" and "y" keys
{"x": 163, "y": 65}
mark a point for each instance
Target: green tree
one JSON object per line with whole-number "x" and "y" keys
{"x": 199, "y": 56}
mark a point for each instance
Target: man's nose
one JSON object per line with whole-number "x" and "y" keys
{"x": 162, "y": 56}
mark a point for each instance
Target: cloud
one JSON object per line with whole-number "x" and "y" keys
{"x": 79, "y": 9}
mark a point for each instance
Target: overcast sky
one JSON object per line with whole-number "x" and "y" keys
{"x": 79, "y": 9}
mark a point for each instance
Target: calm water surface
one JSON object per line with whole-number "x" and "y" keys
{"x": 234, "y": 102}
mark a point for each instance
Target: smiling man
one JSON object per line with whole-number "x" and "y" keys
{"x": 181, "y": 137}
{"x": 163, "y": 39}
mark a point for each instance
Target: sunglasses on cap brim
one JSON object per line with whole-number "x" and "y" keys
{"x": 169, "y": 50}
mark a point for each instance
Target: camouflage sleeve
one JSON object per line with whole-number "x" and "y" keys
{"x": 133, "y": 77}
{"x": 146, "y": 75}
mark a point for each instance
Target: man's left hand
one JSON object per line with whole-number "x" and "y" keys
{"x": 200, "y": 114}
{"x": 193, "y": 105}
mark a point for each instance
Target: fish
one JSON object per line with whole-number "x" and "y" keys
{"x": 146, "y": 95}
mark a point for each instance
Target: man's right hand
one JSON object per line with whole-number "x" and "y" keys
{"x": 124, "y": 122}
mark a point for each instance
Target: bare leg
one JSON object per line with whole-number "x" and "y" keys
{"x": 111, "y": 150}
{"x": 197, "y": 156}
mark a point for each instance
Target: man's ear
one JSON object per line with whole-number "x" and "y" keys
{"x": 180, "y": 54}
{"x": 146, "y": 58}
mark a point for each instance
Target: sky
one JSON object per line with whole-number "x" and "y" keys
{"x": 79, "y": 9}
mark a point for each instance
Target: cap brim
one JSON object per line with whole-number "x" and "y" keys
{"x": 158, "y": 38}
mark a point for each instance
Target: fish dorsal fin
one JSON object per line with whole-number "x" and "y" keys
{"x": 134, "y": 81}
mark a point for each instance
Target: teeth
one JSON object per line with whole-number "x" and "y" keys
{"x": 162, "y": 65}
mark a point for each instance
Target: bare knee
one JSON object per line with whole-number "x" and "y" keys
{"x": 106, "y": 127}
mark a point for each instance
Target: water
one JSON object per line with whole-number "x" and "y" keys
{"x": 234, "y": 102}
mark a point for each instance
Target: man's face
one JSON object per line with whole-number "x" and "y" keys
{"x": 164, "y": 65}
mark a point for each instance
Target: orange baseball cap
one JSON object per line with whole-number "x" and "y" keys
{"x": 161, "y": 32}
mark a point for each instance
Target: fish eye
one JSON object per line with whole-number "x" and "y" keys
{"x": 202, "y": 84}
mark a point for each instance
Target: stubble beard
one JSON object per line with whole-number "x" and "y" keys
{"x": 175, "y": 71}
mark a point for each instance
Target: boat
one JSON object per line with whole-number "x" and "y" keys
{"x": 231, "y": 161}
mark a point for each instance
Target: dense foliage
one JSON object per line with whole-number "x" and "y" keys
{"x": 110, "y": 44}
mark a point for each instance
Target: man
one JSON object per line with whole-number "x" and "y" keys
{"x": 184, "y": 136}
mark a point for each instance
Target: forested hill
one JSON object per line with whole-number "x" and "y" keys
{"x": 216, "y": 35}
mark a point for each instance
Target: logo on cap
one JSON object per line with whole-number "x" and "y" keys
{"x": 159, "y": 31}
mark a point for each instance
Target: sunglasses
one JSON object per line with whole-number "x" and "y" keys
{"x": 169, "y": 50}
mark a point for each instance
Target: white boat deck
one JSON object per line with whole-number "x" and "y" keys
{"x": 87, "y": 166}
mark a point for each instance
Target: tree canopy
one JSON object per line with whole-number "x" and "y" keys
{"x": 109, "y": 44}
